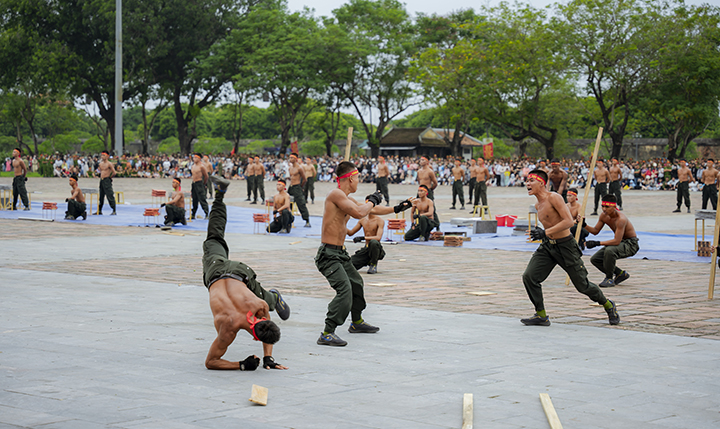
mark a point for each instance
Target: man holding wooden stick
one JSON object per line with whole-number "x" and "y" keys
{"x": 558, "y": 247}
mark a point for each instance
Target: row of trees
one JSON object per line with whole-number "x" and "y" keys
{"x": 540, "y": 74}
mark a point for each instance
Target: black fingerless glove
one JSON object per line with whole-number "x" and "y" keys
{"x": 358, "y": 239}
{"x": 537, "y": 234}
{"x": 402, "y": 206}
{"x": 375, "y": 198}
{"x": 67, "y": 199}
{"x": 275, "y": 212}
{"x": 269, "y": 362}
{"x": 416, "y": 216}
{"x": 591, "y": 243}
{"x": 584, "y": 224}
{"x": 162, "y": 205}
{"x": 250, "y": 363}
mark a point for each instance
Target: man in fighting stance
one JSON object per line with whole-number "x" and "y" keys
{"x": 558, "y": 247}
{"x": 333, "y": 261}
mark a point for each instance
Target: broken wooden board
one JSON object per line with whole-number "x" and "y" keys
{"x": 550, "y": 413}
{"x": 467, "y": 411}
{"x": 259, "y": 395}
{"x": 481, "y": 293}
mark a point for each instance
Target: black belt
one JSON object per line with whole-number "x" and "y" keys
{"x": 333, "y": 247}
{"x": 559, "y": 240}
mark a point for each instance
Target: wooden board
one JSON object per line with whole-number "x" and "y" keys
{"x": 586, "y": 190}
{"x": 467, "y": 411}
{"x": 481, "y": 293}
{"x": 348, "y": 146}
{"x": 259, "y": 395}
{"x": 550, "y": 413}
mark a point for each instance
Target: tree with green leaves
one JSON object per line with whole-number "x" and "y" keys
{"x": 611, "y": 43}
{"x": 372, "y": 62}
{"x": 445, "y": 69}
{"x": 280, "y": 57}
{"x": 520, "y": 65}
{"x": 684, "y": 98}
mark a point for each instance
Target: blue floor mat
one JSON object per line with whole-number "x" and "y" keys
{"x": 656, "y": 246}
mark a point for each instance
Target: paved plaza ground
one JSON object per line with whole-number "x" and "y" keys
{"x": 109, "y": 326}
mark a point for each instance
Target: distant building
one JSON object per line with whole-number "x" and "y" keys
{"x": 428, "y": 141}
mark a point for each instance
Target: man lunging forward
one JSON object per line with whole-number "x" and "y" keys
{"x": 558, "y": 247}
{"x": 333, "y": 260}
{"x": 237, "y": 299}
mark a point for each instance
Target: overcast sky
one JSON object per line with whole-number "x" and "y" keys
{"x": 441, "y": 7}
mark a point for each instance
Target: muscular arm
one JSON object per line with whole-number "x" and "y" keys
{"x": 355, "y": 229}
{"x": 204, "y": 172}
{"x": 430, "y": 210}
{"x": 433, "y": 180}
{"x": 303, "y": 179}
{"x": 112, "y": 169}
{"x": 348, "y": 205}
{"x": 620, "y": 225}
{"x": 226, "y": 335}
{"x": 594, "y": 230}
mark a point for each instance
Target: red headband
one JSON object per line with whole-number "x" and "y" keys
{"x": 538, "y": 178}
{"x": 346, "y": 175}
{"x": 252, "y": 320}
{"x": 609, "y": 204}
{"x": 572, "y": 192}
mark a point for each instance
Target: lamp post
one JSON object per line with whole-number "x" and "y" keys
{"x": 118, "y": 79}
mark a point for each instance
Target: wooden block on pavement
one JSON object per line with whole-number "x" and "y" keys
{"x": 259, "y": 395}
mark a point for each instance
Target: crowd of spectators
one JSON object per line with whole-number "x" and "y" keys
{"x": 655, "y": 174}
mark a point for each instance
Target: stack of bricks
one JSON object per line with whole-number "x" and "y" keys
{"x": 453, "y": 241}
{"x": 704, "y": 248}
{"x": 436, "y": 236}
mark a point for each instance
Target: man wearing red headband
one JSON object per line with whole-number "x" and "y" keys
{"x": 297, "y": 182}
{"x": 333, "y": 260}
{"x": 76, "y": 202}
{"x": 602, "y": 177}
{"x": 282, "y": 216}
{"x": 382, "y": 180}
{"x": 237, "y": 300}
{"x": 175, "y": 208}
{"x": 558, "y": 247}
{"x": 20, "y": 171}
{"x": 574, "y": 206}
{"x": 623, "y": 245}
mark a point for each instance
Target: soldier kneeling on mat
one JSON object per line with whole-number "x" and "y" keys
{"x": 373, "y": 251}
{"x": 424, "y": 210}
{"x": 76, "y": 202}
{"x": 175, "y": 208}
{"x": 237, "y": 299}
{"x": 282, "y": 216}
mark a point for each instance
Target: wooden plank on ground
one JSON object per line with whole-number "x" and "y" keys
{"x": 550, "y": 413}
{"x": 259, "y": 395}
{"x": 467, "y": 411}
